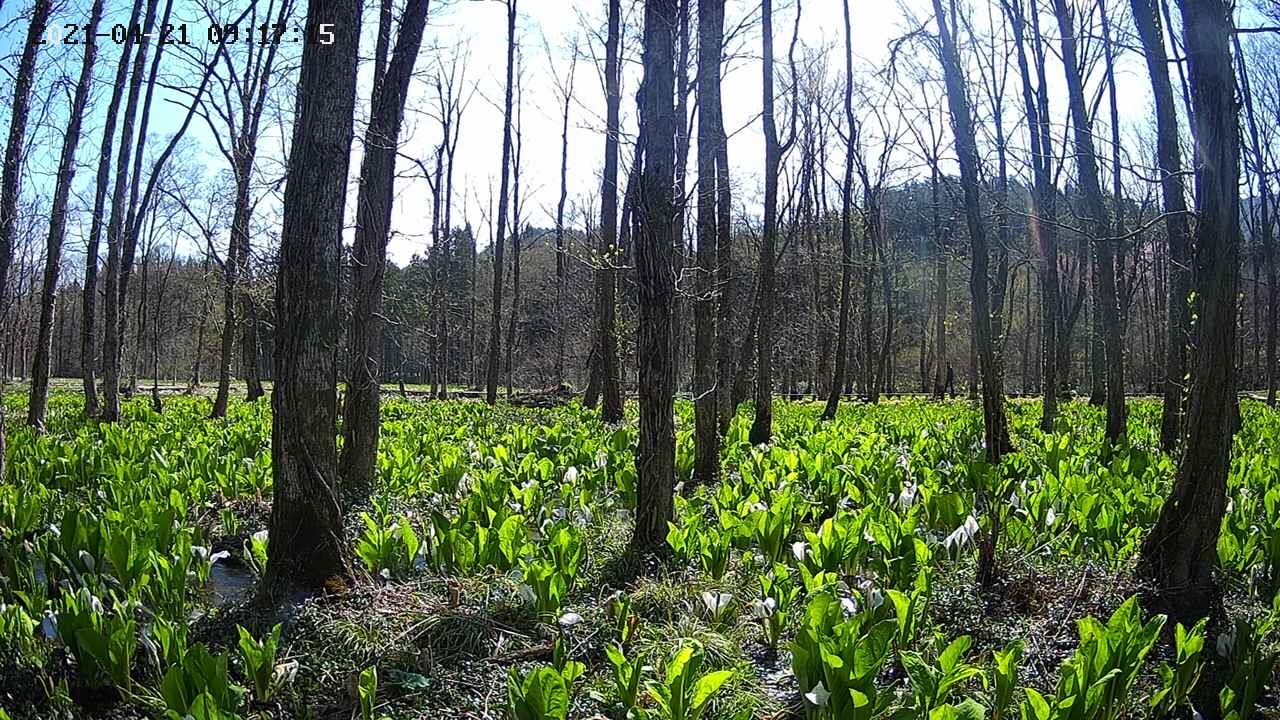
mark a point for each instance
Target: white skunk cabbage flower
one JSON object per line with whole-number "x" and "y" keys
{"x": 764, "y": 609}
{"x": 962, "y": 536}
{"x": 818, "y": 696}
{"x": 716, "y": 602}
{"x": 907, "y": 497}
{"x": 799, "y": 549}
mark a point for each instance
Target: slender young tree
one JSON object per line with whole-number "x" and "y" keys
{"x": 1179, "y": 555}
{"x": 774, "y": 150}
{"x": 238, "y": 110}
{"x": 606, "y": 277}
{"x": 517, "y": 225}
{"x": 118, "y": 225}
{"x": 565, "y": 87}
{"x": 89, "y": 308}
{"x": 846, "y": 230}
{"x": 710, "y": 52}
{"x": 1106, "y": 300}
{"x": 361, "y": 414}
{"x": 996, "y": 430}
{"x": 307, "y": 545}
{"x": 725, "y": 371}
{"x": 39, "y": 397}
{"x": 1043, "y": 204}
{"x": 11, "y": 173}
{"x": 655, "y": 245}
{"x": 1266, "y": 219}
{"x": 495, "y": 321}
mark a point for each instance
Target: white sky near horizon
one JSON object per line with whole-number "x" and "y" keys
{"x": 477, "y": 29}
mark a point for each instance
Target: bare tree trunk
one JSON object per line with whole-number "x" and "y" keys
{"x": 11, "y": 174}
{"x": 562, "y": 325}
{"x": 762, "y": 425}
{"x": 655, "y": 459}
{"x": 710, "y": 44}
{"x": 495, "y": 320}
{"x": 940, "y": 273}
{"x": 88, "y": 335}
{"x": 361, "y": 413}
{"x": 1265, "y": 224}
{"x": 1106, "y": 299}
{"x": 681, "y": 255}
{"x": 725, "y": 407}
{"x": 606, "y": 274}
{"x": 996, "y": 426}
{"x": 307, "y": 546}
{"x": 199, "y": 350}
{"x": 846, "y": 233}
{"x": 1043, "y": 204}
{"x": 117, "y": 228}
{"x": 513, "y": 323}
{"x": 39, "y": 397}
{"x": 1180, "y": 553}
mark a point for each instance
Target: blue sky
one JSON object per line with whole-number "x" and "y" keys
{"x": 475, "y": 29}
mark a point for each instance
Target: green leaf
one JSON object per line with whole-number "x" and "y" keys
{"x": 708, "y": 685}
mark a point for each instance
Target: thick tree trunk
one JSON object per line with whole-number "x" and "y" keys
{"x": 710, "y": 43}
{"x": 307, "y": 545}
{"x": 846, "y": 234}
{"x": 1106, "y": 299}
{"x": 495, "y": 318}
{"x": 606, "y": 275}
{"x": 655, "y": 459}
{"x": 1180, "y": 553}
{"x": 361, "y": 414}
{"x": 39, "y": 397}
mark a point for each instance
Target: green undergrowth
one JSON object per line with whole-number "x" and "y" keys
{"x": 830, "y": 574}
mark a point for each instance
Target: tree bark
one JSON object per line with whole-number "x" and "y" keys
{"x": 39, "y": 397}
{"x": 846, "y": 234}
{"x": 88, "y": 334}
{"x": 307, "y": 545}
{"x": 710, "y": 50}
{"x": 606, "y": 275}
{"x": 513, "y": 322}
{"x": 1106, "y": 299}
{"x": 1180, "y": 552}
{"x": 1043, "y": 205}
{"x": 495, "y": 319}
{"x": 562, "y": 325}
{"x": 117, "y": 229}
{"x": 361, "y": 414}
{"x": 725, "y": 407}
{"x": 656, "y": 208}
{"x": 1265, "y": 224}
{"x": 762, "y": 425}
{"x": 11, "y": 173}
{"x": 996, "y": 431}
